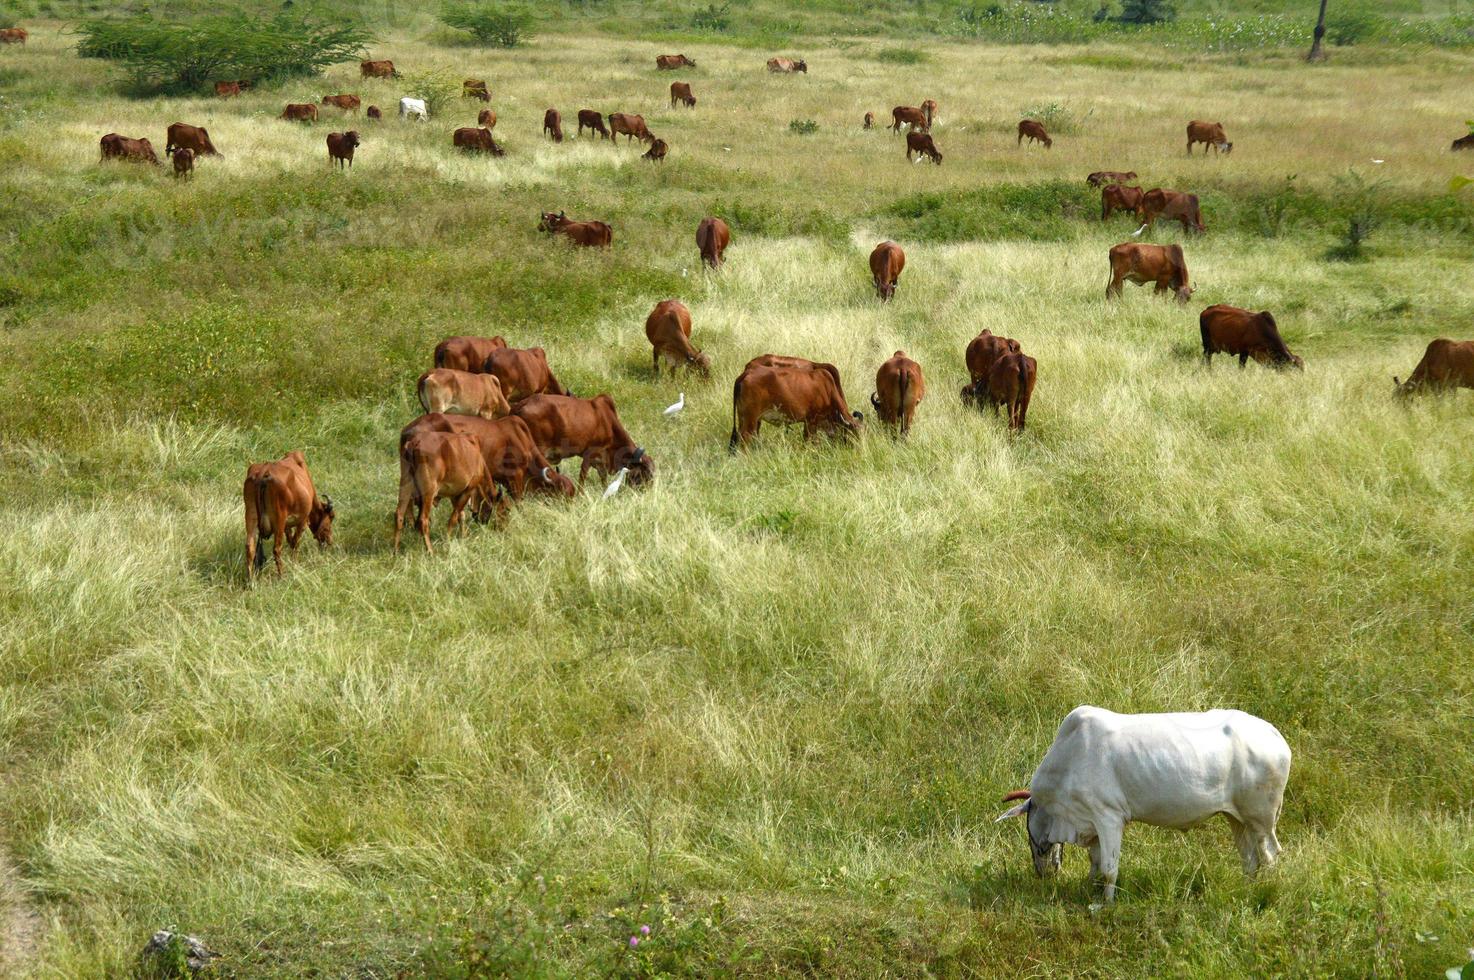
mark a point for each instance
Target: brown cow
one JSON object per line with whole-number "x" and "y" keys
{"x": 374, "y": 112}
{"x": 712, "y": 238}
{"x": 522, "y": 372}
{"x": 348, "y": 103}
{"x": 299, "y": 112}
{"x": 668, "y": 328}
{"x": 590, "y": 118}
{"x": 1446, "y": 364}
{"x": 784, "y": 395}
{"x": 1230, "y": 330}
{"x": 922, "y": 145}
{"x": 1034, "y": 130}
{"x": 869, "y": 121}
{"x": 115, "y": 147}
{"x": 787, "y": 65}
{"x": 228, "y": 89}
{"x": 1172, "y": 205}
{"x": 630, "y": 125}
{"x": 930, "y": 108}
{"x": 466, "y": 353}
{"x": 475, "y": 88}
{"x": 1209, "y": 134}
{"x": 553, "y": 125}
{"x": 1103, "y": 177}
{"x": 377, "y": 69}
{"x": 1010, "y": 383}
{"x": 670, "y": 62}
{"x": 899, "y": 388}
{"x": 462, "y": 393}
{"x": 564, "y": 427}
{"x": 1117, "y": 197}
{"x": 435, "y": 466}
{"x": 511, "y": 457}
{"x": 983, "y": 351}
{"x": 341, "y": 147}
{"x": 1463, "y": 143}
{"x": 587, "y": 233}
{"x": 487, "y": 118}
{"x": 681, "y": 92}
{"x": 476, "y": 141}
{"x": 886, "y": 262}
{"x": 910, "y": 116}
{"x": 280, "y": 502}
{"x": 13, "y": 35}
{"x": 194, "y": 137}
{"x": 657, "y": 151}
{"x": 183, "y": 161}
{"x": 1141, "y": 264}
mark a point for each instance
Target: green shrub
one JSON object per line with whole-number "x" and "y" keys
{"x": 1146, "y": 12}
{"x": 495, "y": 24}
{"x": 1057, "y": 118}
{"x": 440, "y": 88}
{"x": 901, "y": 56}
{"x": 803, "y": 127}
{"x": 1364, "y": 213}
{"x": 712, "y": 17}
{"x": 1350, "y": 28}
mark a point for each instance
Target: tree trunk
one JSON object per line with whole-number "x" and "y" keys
{"x": 1316, "y": 52}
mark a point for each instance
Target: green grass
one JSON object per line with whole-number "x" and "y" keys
{"x": 769, "y": 705}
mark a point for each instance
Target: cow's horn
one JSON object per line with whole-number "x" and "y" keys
{"x": 546, "y": 477}
{"x": 1018, "y": 794}
{"x": 639, "y": 455}
{"x": 327, "y": 503}
{"x": 859, "y": 416}
{"x": 1397, "y": 381}
{"x": 874, "y": 402}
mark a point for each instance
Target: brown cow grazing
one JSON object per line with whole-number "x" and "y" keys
{"x": 668, "y": 328}
{"x": 194, "y": 137}
{"x": 681, "y": 92}
{"x": 869, "y": 121}
{"x": 787, "y": 66}
{"x": 487, "y": 118}
{"x": 670, "y": 62}
{"x": 341, "y": 147}
{"x": 183, "y": 161}
{"x": 348, "y": 103}
{"x": 522, "y": 372}
{"x": 1117, "y": 197}
{"x": 1446, "y": 364}
{"x": 300, "y": 112}
{"x": 1463, "y": 143}
{"x": 1172, "y": 205}
{"x": 1141, "y": 264}
{"x": 466, "y": 353}
{"x": 657, "y": 151}
{"x": 115, "y": 147}
{"x": 1034, "y": 130}
{"x": 462, "y": 393}
{"x": 922, "y": 145}
{"x": 1209, "y": 134}
{"x": 435, "y": 466}
{"x": 506, "y": 445}
{"x": 983, "y": 351}
{"x": 1102, "y": 177}
{"x": 280, "y": 502}
{"x": 930, "y": 108}
{"x": 1230, "y": 330}
{"x": 630, "y": 125}
{"x": 1010, "y": 383}
{"x": 909, "y": 116}
{"x": 13, "y": 35}
{"x": 564, "y": 427}
{"x": 553, "y": 125}
{"x": 374, "y": 112}
{"x": 786, "y": 394}
{"x": 712, "y": 238}
{"x": 886, "y": 262}
{"x": 475, "y": 88}
{"x": 899, "y": 388}
{"x": 586, "y": 233}
{"x": 476, "y": 141}
{"x": 590, "y": 118}
{"x": 377, "y": 69}
{"x": 228, "y": 89}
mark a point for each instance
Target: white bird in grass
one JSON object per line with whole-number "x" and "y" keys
{"x": 616, "y": 483}
{"x": 676, "y": 408}
{"x": 1378, "y": 161}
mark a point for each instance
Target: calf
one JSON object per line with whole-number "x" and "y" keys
{"x": 921, "y": 144}
{"x": 227, "y": 89}
{"x": 669, "y": 62}
{"x": 476, "y": 141}
{"x": 712, "y": 238}
{"x": 553, "y": 125}
{"x": 13, "y": 35}
{"x": 280, "y": 501}
{"x": 183, "y": 161}
{"x": 785, "y": 395}
{"x": 414, "y": 107}
{"x": 462, "y": 393}
{"x": 115, "y": 147}
{"x": 1462, "y": 143}
{"x": 1209, "y": 134}
{"x": 1172, "y": 205}
{"x": 435, "y": 466}
{"x": 681, "y": 92}
{"x": 930, "y": 108}
{"x": 475, "y": 88}
{"x": 194, "y": 137}
{"x": 512, "y": 458}
{"x": 869, "y": 121}
{"x": 886, "y": 262}
{"x": 1163, "y": 265}
{"x": 1118, "y": 197}
{"x": 1010, "y": 384}
{"x": 587, "y": 233}
{"x": 373, "y": 112}
{"x": 899, "y": 388}
{"x": 348, "y": 103}
{"x": 466, "y": 353}
{"x": 377, "y": 69}
{"x": 1035, "y": 132}
{"x": 787, "y": 66}
{"x": 564, "y": 427}
{"x": 1446, "y": 364}
{"x": 668, "y": 328}
{"x": 983, "y": 351}
{"x": 657, "y": 151}
{"x": 301, "y": 112}
{"x": 590, "y": 119}
{"x": 341, "y": 147}
{"x": 522, "y": 372}
{"x": 1230, "y": 330}
{"x": 1176, "y": 770}
{"x": 487, "y": 118}
{"x": 910, "y": 116}
{"x": 1102, "y": 177}
{"x": 630, "y": 125}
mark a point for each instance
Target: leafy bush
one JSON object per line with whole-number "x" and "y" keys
{"x": 1146, "y": 12}
{"x": 1057, "y": 118}
{"x": 1349, "y": 28}
{"x": 188, "y": 56}
{"x": 1364, "y": 201}
{"x": 712, "y": 17}
{"x": 901, "y": 56}
{"x": 440, "y": 88}
{"x": 803, "y": 127}
{"x": 498, "y": 25}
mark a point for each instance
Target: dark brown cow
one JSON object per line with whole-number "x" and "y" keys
{"x": 183, "y": 161}
{"x": 668, "y": 328}
{"x": 1209, "y": 134}
{"x": 553, "y": 125}
{"x": 1010, "y": 383}
{"x": 1230, "y": 330}
{"x": 899, "y": 388}
{"x": 656, "y": 153}
{"x": 1103, "y": 177}
{"x": 586, "y": 233}
{"x": 374, "y": 112}
{"x": 1034, "y": 130}
{"x": 512, "y": 458}
{"x": 462, "y": 393}
{"x": 194, "y": 137}
{"x": 348, "y": 103}
{"x": 280, "y": 502}
{"x": 983, "y": 351}
{"x": 299, "y": 112}
{"x": 930, "y": 108}
{"x": 787, "y": 66}
{"x": 712, "y": 238}
{"x": 681, "y": 92}
{"x": 13, "y": 35}
{"x": 476, "y": 141}
{"x": 630, "y": 126}
{"x": 670, "y": 62}
{"x": 1117, "y": 197}
{"x": 590, "y": 119}
{"x": 115, "y": 147}
{"x": 475, "y": 88}
{"x": 922, "y": 145}
{"x": 1446, "y": 364}
{"x": 466, "y": 353}
{"x": 564, "y": 427}
{"x": 1463, "y": 143}
{"x": 435, "y": 466}
{"x": 228, "y": 89}
{"x": 341, "y": 147}
{"x": 1163, "y": 265}
{"x": 377, "y": 69}
{"x": 1172, "y": 205}
{"x": 869, "y": 121}
{"x": 909, "y": 116}
{"x": 522, "y": 372}
{"x": 770, "y": 389}
{"x": 487, "y": 118}
{"x": 886, "y": 262}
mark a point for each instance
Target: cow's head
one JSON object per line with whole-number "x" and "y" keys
{"x": 700, "y": 362}
{"x": 320, "y": 520}
{"x": 1295, "y": 361}
{"x": 641, "y": 467}
{"x": 352, "y": 137}
{"x": 551, "y": 221}
{"x": 1045, "y": 851}
{"x": 552, "y": 481}
{"x": 970, "y": 393}
{"x": 689, "y": 61}
{"x": 1226, "y": 147}
{"x": 802, "y": 66}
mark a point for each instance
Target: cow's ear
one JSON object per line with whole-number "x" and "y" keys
{"x": 1015, "y": 811}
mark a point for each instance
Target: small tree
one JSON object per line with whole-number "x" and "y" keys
{"x": 1317, "y": 53}
{"x": 1146, "y": 12}
{"x": 439, "y": 88}
{"x": 496, "y": 24}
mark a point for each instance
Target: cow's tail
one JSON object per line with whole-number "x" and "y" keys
{"x": 736, "y": 397}
{"x": 901, "y": 405}
{"x": 440, "y": 357}
{"x": 263, "y": 520}
{"x": 423, "y": 396}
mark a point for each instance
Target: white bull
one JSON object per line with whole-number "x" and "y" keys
{"x": 413, "y": 107}
{"x": 1105, "y": 770}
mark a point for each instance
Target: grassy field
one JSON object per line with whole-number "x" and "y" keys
{"x": 768, "y": 706}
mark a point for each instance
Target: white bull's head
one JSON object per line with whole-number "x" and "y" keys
{"x": 1045, "y": 851}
